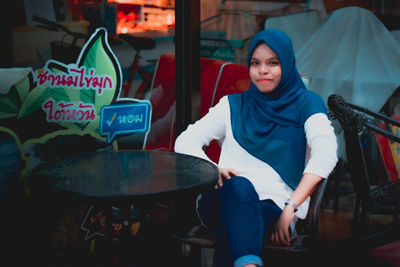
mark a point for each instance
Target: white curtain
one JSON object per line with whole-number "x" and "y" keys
{"x": 351, "y": 54}
{"x": 396, "y": 35}
{"x": 354, "y": 55}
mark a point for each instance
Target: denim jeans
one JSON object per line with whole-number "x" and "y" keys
{"x": 240, "y": 221}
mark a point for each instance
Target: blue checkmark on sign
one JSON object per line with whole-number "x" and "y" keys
{"x": 123, "y": 119}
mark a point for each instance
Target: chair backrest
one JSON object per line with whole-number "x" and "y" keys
{"x": 389, "y": 152}
{"x": 162, "y": 133}
{"x": 211, "y": 71}
{"x": 307, "y": 229}
{"x": 357, "y": 122}
{"x": 164, "y": 79}
{"x": 395, "y": 148}
{"x": 232, "y": 78}
{"x": 162, "y": 128}
{"x": 309, "y": 226}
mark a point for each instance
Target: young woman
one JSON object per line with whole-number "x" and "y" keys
{"x": 277, "y": 143}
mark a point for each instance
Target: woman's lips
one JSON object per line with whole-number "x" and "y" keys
{"x": 264, "y": 80}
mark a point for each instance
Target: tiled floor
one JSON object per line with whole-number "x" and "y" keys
{"x": 336, "y": 229}
{"x": 336, "y": 225}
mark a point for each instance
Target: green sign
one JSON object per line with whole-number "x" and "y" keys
{"x": 56, "y": 110}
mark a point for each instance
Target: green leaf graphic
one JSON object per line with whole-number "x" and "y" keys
{"x": 23, "y": 87}
{"x": 9, "y": 104}
{"x": 38, "y": 95}
{"x": 98, "y": 57}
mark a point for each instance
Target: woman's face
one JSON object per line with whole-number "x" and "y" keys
{"x": 265, "y": 69}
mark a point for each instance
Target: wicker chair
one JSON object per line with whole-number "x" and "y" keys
{"x": 381, "y": 196}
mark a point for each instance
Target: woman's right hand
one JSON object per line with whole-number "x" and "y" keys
{"x": 225, "y": 174}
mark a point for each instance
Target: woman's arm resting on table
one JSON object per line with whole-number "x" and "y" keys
{"x": 202, "y": 132}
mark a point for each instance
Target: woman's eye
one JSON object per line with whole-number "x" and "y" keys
{"x": 274, "y": 63}
{"x": 253, "y": 63}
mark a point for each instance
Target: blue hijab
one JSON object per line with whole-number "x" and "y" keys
{"x": 270, "y": 126}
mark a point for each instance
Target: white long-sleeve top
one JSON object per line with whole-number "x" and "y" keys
{"x": 216, "y": 125}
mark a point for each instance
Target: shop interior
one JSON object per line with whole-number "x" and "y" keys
{"x": 336, "y": 44}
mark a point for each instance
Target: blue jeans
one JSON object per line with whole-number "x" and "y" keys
{"x": 240, "y": 221}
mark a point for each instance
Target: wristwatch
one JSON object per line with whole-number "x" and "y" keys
{"x": 291, "y": 203}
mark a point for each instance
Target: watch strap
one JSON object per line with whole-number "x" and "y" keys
{"x": 291, "y": 203}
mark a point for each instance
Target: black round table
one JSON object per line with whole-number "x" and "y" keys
{"x": 118, "y": 176}
{"x": 120, "y": 179}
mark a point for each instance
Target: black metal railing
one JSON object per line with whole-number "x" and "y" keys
{"x": 382, "y": 197}
{"x": 353, "y": 117}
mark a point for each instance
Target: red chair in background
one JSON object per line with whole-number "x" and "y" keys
{"x": 162, "y": 128}
{"x": 211, "y": 71}
{"x": 232, "y": 78}
{"x": 389, "y": 151}
{"x": 162, "y": 133}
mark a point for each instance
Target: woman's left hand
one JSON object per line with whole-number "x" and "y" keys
{"x": 281, "y": 234}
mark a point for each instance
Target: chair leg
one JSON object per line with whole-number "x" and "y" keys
{"x": 194, "y": 257}
{"x": 396, "y": 219}
{"x": 337, "y": 195}
{"x": 207, "y": 257}
{"x": 357, "y": 207}
{"x": 356, "y": 221}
